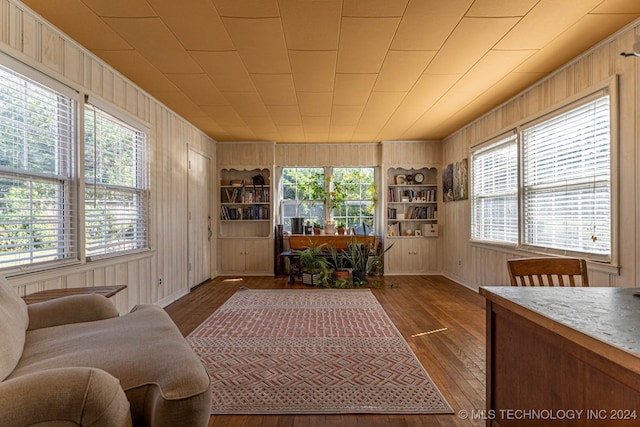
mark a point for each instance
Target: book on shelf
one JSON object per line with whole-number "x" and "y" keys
{"x": 253, "y": 212}
{"x": 421, "y": 212}
{"x": 401, "y": 194}
{"x": 240, "y": 195}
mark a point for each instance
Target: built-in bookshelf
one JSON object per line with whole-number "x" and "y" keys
{"x": 412, "y": 202}
{"x": 245, "y": 203}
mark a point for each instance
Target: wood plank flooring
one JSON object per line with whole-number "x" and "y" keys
{"x": 442, "y": 321}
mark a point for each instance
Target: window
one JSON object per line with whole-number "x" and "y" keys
{"x": 561, "y": 202}
{"x": 36, "y": 170}
{"x": 566, "y": 184}
{"x": 360, "y": 196}
{"x": 494, "y": 190}
{"x": 301, "y": 195}
{"x": 116, "y": 185}
{"x": 304, "y": 194}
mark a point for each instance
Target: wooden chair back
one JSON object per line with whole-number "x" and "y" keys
{"x": 548, "y": 272}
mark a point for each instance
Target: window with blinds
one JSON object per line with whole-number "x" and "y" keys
{"x": 547, "y": 187}
{"x": 116, "y": 185}
{"x": 566, "y": 182}
{"x": 37, "y": 191}
{"x": 494, "y": 191}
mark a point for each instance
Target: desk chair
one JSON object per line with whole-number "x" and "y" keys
{"x": 548, "y": 272}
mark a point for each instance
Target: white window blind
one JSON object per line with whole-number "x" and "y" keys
{"x": 116, "y": 185}
{"x": 36, "y": 187}
{"x": 566, "y": 180}
{"x": 494, "y": 191}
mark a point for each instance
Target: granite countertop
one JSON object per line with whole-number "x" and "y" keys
{"x": 611, "y": 316}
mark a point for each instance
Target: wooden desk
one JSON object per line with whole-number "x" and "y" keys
{"x": 555, "y": 350}
{"x": 49, "y": 294}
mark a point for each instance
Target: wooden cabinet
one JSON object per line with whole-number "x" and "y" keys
{"x": 411, "y": 255}
{"x": 245, "y": 231}
{"x": 246, "y": 256}
{"x": 411, "y": 220}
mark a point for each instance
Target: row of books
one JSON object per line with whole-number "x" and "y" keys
{"x": 413, "y": 212}
{"x": 240, "y": 195}
{"x": 404, "y": 195}
{"x": 245, "y": 213}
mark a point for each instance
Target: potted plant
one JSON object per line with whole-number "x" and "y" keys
{"x": 357, "y": 254}
{"x": 317, "y": 228}
{"x": 363, "y": 260}
{"x": 338, "y": 265}
{"x": 341, "y": 227}
{"x": 310, "y": 187}
{"x": 312, "y": 263}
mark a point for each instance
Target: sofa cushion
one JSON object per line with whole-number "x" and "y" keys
{"x": 13, "y": 325}
{"x": 143, "y": 349}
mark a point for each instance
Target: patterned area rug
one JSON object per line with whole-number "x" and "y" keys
{"x": 314, "y": 351}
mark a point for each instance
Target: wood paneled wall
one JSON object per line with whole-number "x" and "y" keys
{"x": 412, "y": 154}
{"x": 28, "y": 38}
{"x": 245, "y": 154}
{"x": 328, "y": 154}
{"x": 476, "y": 265}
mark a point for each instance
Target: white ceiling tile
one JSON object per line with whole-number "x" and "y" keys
{"x": 364, "y": 43}
{"x": 121, "y": 8}
{"x": 470, "y": 41}
{"x": 313, "y": 71}
{"x": 226, "y": 70}
{"x": 401, "y": 69}
{"x": 195, "y": 23}
{"x": 260, "y": 43}
{"x": 275, "y": 89}
{"x": 426, "y": 24}
{"x": 154, "y": 41}
{"x": 247, "y": 8}
{"x": 333, "y": 70}
{"x": 374, "y": 8}
{"x": 311, "y": 25}
{"x": 546, "y": 21}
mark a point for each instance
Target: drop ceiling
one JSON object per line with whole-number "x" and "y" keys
{"x": 335, "y": 70}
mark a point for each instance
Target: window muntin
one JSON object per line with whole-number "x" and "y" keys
{"x": 564, "y": 192}
{"x": 494, "y": 189}
{"x": 36, "y": 170}
{"x": 297, "y": 198}
{"x": 360, "y": 201}
{"x": 116, "y": 185}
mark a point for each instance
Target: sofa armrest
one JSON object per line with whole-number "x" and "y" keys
{"x": 77, "y": 396}
{"x": 70, "y": 309}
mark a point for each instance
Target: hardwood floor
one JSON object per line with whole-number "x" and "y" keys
{"x": 442, "y": 321}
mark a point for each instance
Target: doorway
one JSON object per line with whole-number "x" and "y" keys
{"x": 199, "y": 217}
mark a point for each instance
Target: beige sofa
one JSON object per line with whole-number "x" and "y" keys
{"x": 74, "y": 361}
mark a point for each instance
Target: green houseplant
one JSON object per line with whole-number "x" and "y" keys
{"x": 312, "y": 263}
{"x": 357, "y": 254}
{"x": 363, "y": 260}
{"x": 338, "y": 264}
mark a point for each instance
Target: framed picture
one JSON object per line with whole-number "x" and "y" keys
{"x": 401, "y": 179}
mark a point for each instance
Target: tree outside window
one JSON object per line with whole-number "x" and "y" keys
{"x": 344, "y": 195}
